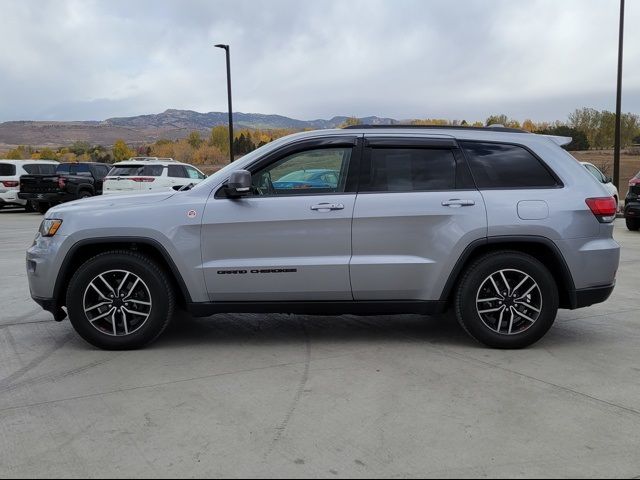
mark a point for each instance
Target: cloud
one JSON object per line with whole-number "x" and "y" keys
{"x": 72, "y": 59}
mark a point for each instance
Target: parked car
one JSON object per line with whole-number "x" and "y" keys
{"x": 147, "y": 174}
{"x": 10, "y": 173}
{"x": 71, "y": 181}
{"x": 632, "y": 204}
{"x": 501, "y": 225}
{"x": 604, "y": 179}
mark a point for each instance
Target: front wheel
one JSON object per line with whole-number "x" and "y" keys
{"x": 43, "y": 207}
{"x": 633, "y": 224}
{"x": 507, "y": 300}
{"x": 120, "y": 300}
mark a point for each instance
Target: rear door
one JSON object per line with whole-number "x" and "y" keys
{"x": 417, "y": 210}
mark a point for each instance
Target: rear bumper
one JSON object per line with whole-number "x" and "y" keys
{"x": 10, "y": 197}
{"x": 42, "y": 197}
{"x": 632, "y": 210}
{"x": 590, "y": 296}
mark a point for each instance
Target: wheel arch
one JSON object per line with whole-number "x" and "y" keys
{"x": 541, "y": 248}
{"x": 86, "y": 249}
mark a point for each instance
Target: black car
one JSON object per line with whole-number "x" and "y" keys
{"x": 632, "y": 204}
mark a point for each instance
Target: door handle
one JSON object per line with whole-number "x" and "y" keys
{"x": 327, "y": 206}
{"x": 457, "y": 203}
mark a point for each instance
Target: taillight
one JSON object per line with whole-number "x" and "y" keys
{"x": 10, "y": 183}
{"x": 61, "y": 183}
{"x": 143, "y": 179}
{"x": 604, "y": 208}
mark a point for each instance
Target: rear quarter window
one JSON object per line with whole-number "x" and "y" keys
{"x": 499, "y": 165}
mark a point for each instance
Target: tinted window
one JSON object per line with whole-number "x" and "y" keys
{"x": 100, "y": 171}
{"x": 136, "y": 170}
{"x": 7, "y": 169}
{"x": 47, "y": 168}
{"x": 497, "y": 165}
{"x": 63, "y": 168}
{"x": 80, "y": 168}
{"x": 31, "y": 168}
{"x": 176, "y": 171}
{"x": 312, "y": 171}
{"x": 411, "y": 169}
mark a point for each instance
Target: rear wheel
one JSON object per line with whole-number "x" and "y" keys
{"x": 120, "y": 300}
{"x": 29, "y": 207}
{"x": 633, "y": 224}
{"x": 84, "y": 194}
{"x": 507, "y": 300}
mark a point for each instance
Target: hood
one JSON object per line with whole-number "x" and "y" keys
{"x": 111, "y": 202}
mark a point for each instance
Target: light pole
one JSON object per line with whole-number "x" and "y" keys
{"x": 226, "y": 49}
{"x": 616, "y": 144}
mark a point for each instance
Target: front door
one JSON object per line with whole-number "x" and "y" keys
{"x": 291, "y": 238}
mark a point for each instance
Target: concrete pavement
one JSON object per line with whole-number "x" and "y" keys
{"x": 296, "y": 396}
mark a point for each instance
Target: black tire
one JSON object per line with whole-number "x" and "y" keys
{"x": 161, "y": 295}
{"x": 633, "y": 224}
{"x": 29, "y": 207}
{"x": 472, "y": 287}
{"x": 43, "y": 207}
{"x": 84, "y": 194}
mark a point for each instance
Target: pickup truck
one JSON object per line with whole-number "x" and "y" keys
{"x": 71, "y": 181}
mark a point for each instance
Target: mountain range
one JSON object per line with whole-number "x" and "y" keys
{"x": 170, "y": 124}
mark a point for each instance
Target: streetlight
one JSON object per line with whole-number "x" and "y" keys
{"x": 226, "y": 49}
{"x": 616, "y": 144}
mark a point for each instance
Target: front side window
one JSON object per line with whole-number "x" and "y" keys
{"x": 63, "y": 168}
{"x": 194, "y": 174}
{"x": 496, "y": 165}
{"x": 321, "y": 170}
{"x": 410, "y": 170}
{"x": 47, "y": 169}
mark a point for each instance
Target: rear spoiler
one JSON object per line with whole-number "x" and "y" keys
{"x": 562, "y": 141}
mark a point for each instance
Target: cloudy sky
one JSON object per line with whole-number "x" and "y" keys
{"x": 464, "y": 59}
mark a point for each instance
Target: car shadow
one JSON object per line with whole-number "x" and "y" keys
{"x": 186, "y": 330}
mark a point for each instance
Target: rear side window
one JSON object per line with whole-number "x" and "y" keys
{"x": 411, "y": 169}
{"x": 7, "y": 169}
{"x": 176, "y": 171}
{"x": 497, "y": 165}
{"x": 136, "y": 170}
{"x": 31, "y": 168}
{"x": 63, "y": 168}
{"x": 47, "y": 169}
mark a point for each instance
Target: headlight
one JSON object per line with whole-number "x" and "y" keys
{"x": 49, "y": 227}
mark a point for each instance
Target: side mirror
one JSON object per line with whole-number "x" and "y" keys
{"x": 239, "y": 184}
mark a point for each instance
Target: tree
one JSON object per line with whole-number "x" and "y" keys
{"x": 121, "y": 151}
{"x": 47, "y": 154}
{"x": 195, "y": 140}
{"x": 220, "y": 138}
{"x": 351, "y": 122}
{"x": 497, "y": 120}
{"x": 528, "y": 125}
{"x": 80, "y": 147}
{"x": 579, "y": 139}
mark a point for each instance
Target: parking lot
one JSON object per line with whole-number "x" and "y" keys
{"x": 291, "y": 396}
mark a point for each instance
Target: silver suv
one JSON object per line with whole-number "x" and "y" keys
{"x": 501, "y": 225}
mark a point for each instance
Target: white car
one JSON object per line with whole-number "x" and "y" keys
{"x": 10, "y": 173}
{"x": 149, "y": 174}
{"x": 602, "y": 178}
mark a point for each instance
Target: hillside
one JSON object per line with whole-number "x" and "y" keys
{"x": 170, "y": 124}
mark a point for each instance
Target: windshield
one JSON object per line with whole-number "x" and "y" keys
{"x": 136, "y": 170}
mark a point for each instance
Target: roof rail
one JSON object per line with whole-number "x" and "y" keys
{"x": 491, "y": 128}
{"x": 151, "y": 159}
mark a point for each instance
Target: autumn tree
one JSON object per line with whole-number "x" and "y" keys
{"x": 47, "y": 154}
{"x": 219, "y": 138}
{"x": 351, "y": 122}
{"x": 195, "y": 139}
{"x": 121, "y": 151}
